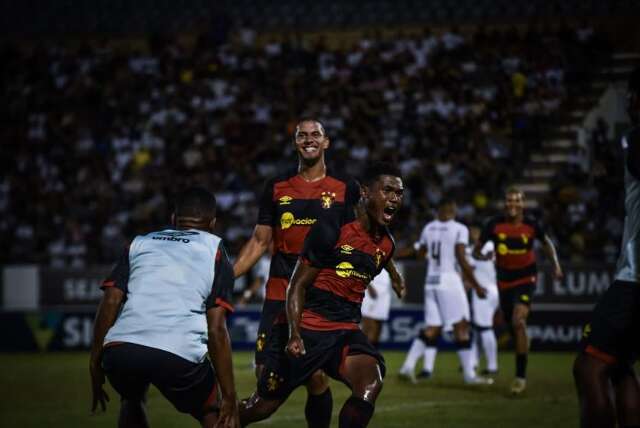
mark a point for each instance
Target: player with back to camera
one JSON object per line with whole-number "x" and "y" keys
{"x": 164, "y": 307}
{"x": 323, "y": 307}
{"x": 444, "y": 240}
{"x": 607, "y": 385}
{"x": 513, "y": 235}
{"x": 290, "y": 205}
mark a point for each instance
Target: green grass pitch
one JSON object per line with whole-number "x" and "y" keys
{"x": 52, "y": 390}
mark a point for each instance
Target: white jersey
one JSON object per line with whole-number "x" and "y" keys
{"x": 484, "y": 270}
{"x": 169, "y": 284}
{"x": 378, "y": 308}
{"x": 440, "y": 240}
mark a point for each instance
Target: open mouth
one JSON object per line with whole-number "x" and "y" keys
{"x": 388, "y": 213}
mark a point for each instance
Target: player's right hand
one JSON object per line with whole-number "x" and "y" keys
{"x": 295, "y": 347}
{"x": 228, "y": 416}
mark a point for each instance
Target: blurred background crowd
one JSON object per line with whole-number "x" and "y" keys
{"x": 97, "y": 136}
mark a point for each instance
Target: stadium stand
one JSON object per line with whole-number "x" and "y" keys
{"x": 101, "y": 134}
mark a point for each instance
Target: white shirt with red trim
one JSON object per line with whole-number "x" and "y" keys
{"x": 170, "y": 286}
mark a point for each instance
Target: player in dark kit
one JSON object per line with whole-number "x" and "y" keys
{"x": 323, "y": 307}
{"x": 608, "y": 388}
{"x": 513, "y": 235}
{"x": 290, "y": 205}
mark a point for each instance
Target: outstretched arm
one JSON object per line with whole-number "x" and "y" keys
{"x": 303, "y": 276}
{"x": 550, "y": 252}
{"x": 105, "y": 318}
{"x": 253, "y": 249}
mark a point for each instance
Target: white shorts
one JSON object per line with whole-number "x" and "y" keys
{"x": 378, "y": 308}
{"x": 484, "y": 309}
{"x": 446, "y": 303}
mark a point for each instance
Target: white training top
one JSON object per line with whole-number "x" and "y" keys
{"x": 484, "y": 270}
{"x": 171, "y": 276}
{"x": 440, "y": 239}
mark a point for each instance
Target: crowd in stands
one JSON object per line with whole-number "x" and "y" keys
{"x": 97, "y": 138}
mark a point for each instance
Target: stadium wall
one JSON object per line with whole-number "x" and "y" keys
{"x": 62, "y": 317}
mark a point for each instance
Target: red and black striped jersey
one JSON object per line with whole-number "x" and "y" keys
{"x": 348, "y": 258}
{"x": 515, "y": 256}
{"x": 291, "y": 205}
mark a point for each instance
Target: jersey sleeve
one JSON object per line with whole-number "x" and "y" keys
{"x": 351, "y": 199}
{"x": 119, "y": 275}
{"x": 320, "y": 242}
{"x": 222, "y": 287}
{"x": 266, "y": 210}
{"x": 462, "y": 237}
{"x": 631, "y": 144}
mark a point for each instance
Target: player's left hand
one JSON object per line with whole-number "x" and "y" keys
{"x": 557, "y": 273}
{"x": 295, "y": 347}
{"x": 99, "y": 396}
{"x": 398, "y": 286}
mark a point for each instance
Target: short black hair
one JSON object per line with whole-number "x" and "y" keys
{"x": 373, "y": 171}
{"x": 196, "y": 202}
{"x": 310, "y": 119}
{"x": 634, "y": 81}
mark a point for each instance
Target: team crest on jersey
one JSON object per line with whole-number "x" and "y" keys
{"x": 285, "y": 200}
{"x": 346, "y": 249}
{"x": 327, "y": 199}
{"x": 502, "y": 236}
{"x": 379, "y": 255}
{"x": 525, "y": 298}
{"x": 525, "y": 239}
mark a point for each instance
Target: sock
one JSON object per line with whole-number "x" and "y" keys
{"x": 415, "y": 352}
{"x": 356, "y": 413}
{"x": 475, "y": 351}
{"x": 430, "y": 358}
{"x": 318, "y": 409}
{"x": 521, "y": 366}
{"x": 490, "y": 347}
{"x": 464, "y": 353}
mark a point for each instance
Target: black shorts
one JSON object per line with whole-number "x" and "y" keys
{"x": 190, "y": 387}
{"x": 613, "y": 335}
{"x": 271, "y": 309}
{"x": 325, "y": 350}
{"x": 511, "y": 296}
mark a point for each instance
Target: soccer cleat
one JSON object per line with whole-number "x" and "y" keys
{"x": 487, "y": 372}
{"x": 518, "y": 386}
{"x": 407, "y": 376}
{"x": 479, "y": 380}
{"x": 424, "y": 375}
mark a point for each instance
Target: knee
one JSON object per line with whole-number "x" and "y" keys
{"x": 318, "y": 383}
{"x": 519, "y": 324}
{"x": 461, "y": 331}
{"x": 371, "y": 391}
{"x": 431, "y": 333}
